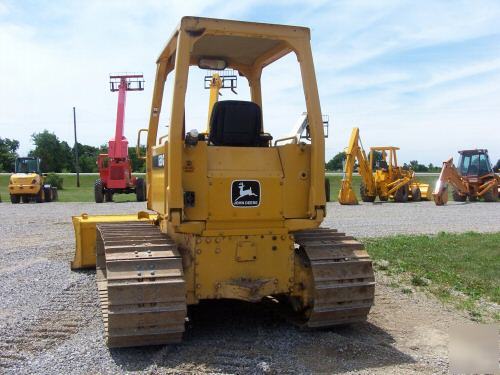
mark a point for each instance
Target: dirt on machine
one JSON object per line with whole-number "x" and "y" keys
{"x": 474, "y": 179}
{"x": 27, "y": 183}
{"x": 237, "y": 214}
{"x": 381, "y": 176}
{"x": 115, "y": 169}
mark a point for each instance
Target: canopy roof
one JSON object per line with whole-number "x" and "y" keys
{"x": 239, "y": 43}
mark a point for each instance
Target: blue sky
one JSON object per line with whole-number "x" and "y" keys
{"x": 422, "y": 75}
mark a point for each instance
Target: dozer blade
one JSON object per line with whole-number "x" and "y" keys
{"x": 85, "y": 234}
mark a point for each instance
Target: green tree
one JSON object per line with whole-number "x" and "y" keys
{"x": 55, "y": 155}
{"x": 8, "y": 154}
{"x": 337, "y": 162}
{"x": 138, "y": 165}
{"x": 87, "y": 158}
{"x": 417, "y": 167}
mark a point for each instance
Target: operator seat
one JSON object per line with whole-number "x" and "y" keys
{"x": 382, "y": 164}
{"x": 237, "y": 123}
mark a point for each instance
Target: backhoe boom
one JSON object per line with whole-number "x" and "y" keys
{"x": 355, "y": 152}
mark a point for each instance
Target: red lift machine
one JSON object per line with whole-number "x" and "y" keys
{"x": 115, "y": 172}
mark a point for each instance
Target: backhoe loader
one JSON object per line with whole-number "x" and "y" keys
{"x": 474, "y": 178}
{"x": 382, "y": 177}
{"x": 236, "y": 215}
{"x": 27, "y": 183}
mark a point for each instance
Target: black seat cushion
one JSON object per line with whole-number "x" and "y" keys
{"x": 235, "y": 123}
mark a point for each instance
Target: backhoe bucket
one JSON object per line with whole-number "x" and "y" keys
{"x": 347, "y": 195}
{"x": 85, "y": 234}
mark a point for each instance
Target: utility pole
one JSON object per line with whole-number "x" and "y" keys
{"x": 77, "y": 165}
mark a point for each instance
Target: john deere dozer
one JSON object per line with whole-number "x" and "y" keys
{"x": 474, "y": 179}
{"x": 382, "y": 178}
{"x": 237, "y": 216}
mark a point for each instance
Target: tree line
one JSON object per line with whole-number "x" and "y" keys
{"x": 57, "y": 156}
{"x": 337, "y": 164}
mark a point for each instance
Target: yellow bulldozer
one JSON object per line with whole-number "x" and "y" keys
{"x": 380, "y": 176}
{"x": 236, "y": 215}
{"x": 27, "y": 183}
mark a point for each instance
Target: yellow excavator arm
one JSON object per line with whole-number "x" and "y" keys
{"x": 355, "y": 152}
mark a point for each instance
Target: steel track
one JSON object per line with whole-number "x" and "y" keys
{"x": 141, "y": 285}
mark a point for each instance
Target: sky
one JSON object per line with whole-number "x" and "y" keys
{"x": 421, "y": 75}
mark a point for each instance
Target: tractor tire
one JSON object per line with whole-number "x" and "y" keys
{"x": 491, "y": 195}
{"x": 39, "y": 198}
{"x": 401, "y": 195}
{"x": 416, "y": 194}
{"x": 140, "y": 190}
{"x": 384, "y": 198}
{"x": 457, "y": 197}
{"x": 473, "y": 198}
{"x": 47, "y": 192}
{"x": 25, "y": 199}
{"x": 99, "y": 191}
{"x": 108, "y": 196}
{"x": 55, "y": 194}
{"x": 364, "y": 196}
{"x": 327, "y": 189}
{"x": 15, "y": 199}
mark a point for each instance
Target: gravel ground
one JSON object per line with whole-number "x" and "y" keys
{"x": 50, "y": 320}
{"x": 388, "y": 218}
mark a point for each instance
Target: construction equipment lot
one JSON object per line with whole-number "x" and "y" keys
{"x": 50, "y": 320}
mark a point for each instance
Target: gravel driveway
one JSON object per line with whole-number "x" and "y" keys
{"x": 50, "y": 320}
{"x": 388, "y": 218}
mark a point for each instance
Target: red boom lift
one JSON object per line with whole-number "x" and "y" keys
{"x": 115, "y": 172}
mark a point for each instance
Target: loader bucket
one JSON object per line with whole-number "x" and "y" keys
{"x": 425, "y": 191}
{"x": 85, "y": 234}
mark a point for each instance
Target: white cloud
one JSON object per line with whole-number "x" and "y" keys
{"x": 61, "y": 54}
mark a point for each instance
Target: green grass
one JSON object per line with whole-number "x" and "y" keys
{"x": 70, "y": 193}
{"x": 444, "y": 264}
{"x": 335, "y": 182}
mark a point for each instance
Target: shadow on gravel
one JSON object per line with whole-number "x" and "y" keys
{"x": 237, "y": 337}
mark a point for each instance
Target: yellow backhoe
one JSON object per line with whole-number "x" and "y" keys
{"x": 380, "y": 176}
{"x": 236, "y": 215}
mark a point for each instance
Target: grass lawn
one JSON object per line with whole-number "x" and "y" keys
{"x": 463, "y": 269}
{"x": 70, "y": 193}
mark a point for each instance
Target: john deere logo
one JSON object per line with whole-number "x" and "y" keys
{"x": 245, "y": 193}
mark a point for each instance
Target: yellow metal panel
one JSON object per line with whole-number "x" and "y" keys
{"x": 194, "y": 179}
{"x": 85, "y": 234}
{"x": 228, "y": 164}
{"x": 296, "y": 160}
{"x": 246, "y": 251}
{"x": 156, "y": 196}
{"x": 262, "y": 159}
{"x": 265, "y": 265}
{"x": 220, "y": 206}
